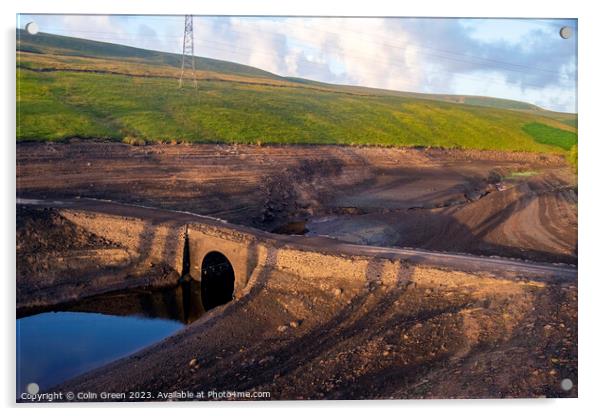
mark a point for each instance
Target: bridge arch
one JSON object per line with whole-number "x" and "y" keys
{"x": 217, "y": 280}
{"x": 240, "y": 251}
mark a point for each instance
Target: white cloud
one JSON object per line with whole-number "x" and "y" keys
{"x": 422, "y": 55}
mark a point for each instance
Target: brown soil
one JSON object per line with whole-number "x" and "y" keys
{"x": 434, "y": 199}
{"x": 533, "y": 218}
{"x": 422, "y": 332}
{"x": 57, "y": 261}
{"x": 430, "y": 334}
{"x": 418, "y": 332}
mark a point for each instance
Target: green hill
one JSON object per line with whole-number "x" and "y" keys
{"x": 69, "y": 87}
{"x": 62, "y": 45}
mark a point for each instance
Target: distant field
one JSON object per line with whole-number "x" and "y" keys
{"x": 545, "y": 134}
{"x": 74, "y": 88}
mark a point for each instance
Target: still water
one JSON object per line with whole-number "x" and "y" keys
{"x": 57, "y": 345}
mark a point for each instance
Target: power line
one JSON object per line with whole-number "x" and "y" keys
{"x": 548, "y": 22}
{"x": 557, "y": 73}
{"x": 456, "y": 57}
{"x": 237, "y": 48}
{"x": 188, "y": 57}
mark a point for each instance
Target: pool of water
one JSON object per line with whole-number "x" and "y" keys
{"x": 54, "y": 346}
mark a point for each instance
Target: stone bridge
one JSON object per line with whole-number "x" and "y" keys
{"x": 224, "y": 257}
{"x": 227, "y": 257}
{"x": 198, "y": 247}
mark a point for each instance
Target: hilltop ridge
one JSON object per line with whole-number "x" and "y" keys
{"x": 70, "y": 87}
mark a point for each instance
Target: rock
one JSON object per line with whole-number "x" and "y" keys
{"x": 282, "y": 328}
{"x": 294, "y": 324}
{"x": 338, "y": 291}
{"x": 267, "y": 359}
{"x": 194, "y": 365}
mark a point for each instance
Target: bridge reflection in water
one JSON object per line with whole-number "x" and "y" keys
{"x": 181, "y": 303}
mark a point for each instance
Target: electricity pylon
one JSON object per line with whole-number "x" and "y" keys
{"x": 188, "y": 51}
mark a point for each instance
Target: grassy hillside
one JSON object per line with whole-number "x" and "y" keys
{"x": 69, "y": 87}
{"x": 68, "y": 46}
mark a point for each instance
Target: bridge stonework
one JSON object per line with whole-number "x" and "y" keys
{"x": 155, "y": 237}
{"x": 146, "y": 241}
{"x": 239, "y": 248}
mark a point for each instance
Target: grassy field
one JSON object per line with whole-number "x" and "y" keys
{"x": 69, "y": 87}
{"x": 545, "y": 134}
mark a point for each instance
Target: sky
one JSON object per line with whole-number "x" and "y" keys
{"x": 519, "y": 59}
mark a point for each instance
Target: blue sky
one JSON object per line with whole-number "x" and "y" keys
{"x": 521, "y": 59}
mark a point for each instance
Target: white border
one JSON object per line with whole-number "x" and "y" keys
{"x": 590, "y": 138}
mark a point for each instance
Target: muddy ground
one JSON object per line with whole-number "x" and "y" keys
{"x": 58, "y": 262}
{"x": 429, "y": 335}
{"x": 492, "y": 203}
{"x": 422, "y": 333}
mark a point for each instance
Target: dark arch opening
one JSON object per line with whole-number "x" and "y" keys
{"x": 217, "y": 280}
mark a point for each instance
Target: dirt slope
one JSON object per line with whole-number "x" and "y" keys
{"x": 423, "y": 333}
{"x": 375, "y": 328}
{"x": 58, "y": 261}
{"x": 532, "y": 218}
{"x": 507, "y": 204}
